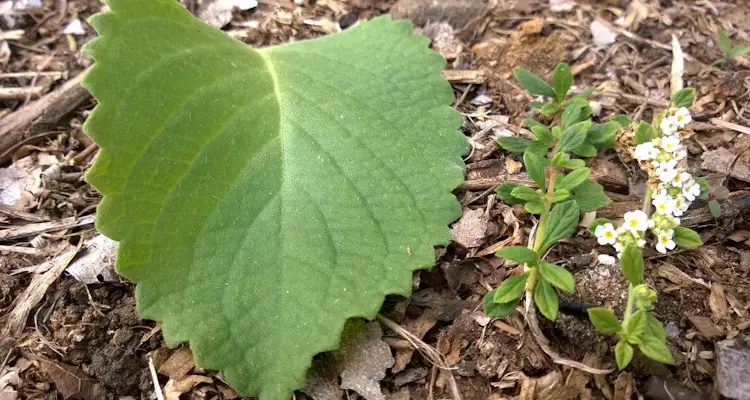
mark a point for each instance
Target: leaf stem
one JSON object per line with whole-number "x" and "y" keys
{"x": 647, "y": 200}
{"x": 629, "y": 307}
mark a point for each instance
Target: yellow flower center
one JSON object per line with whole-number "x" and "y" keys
{"x": 662, "y": 206}
{"x": 677, "y": 178}
{"x": 664, "y": 240}
{"x": 608, "y": 235}
{"x": 680, "y": 118}
{"x": 633, "y": 223}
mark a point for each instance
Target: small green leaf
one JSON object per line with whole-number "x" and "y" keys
{"x": 525, "y": 193}
{"x": 715, "y": 208}
{"x": 573, "y": 179}
{"x": 511, "y": 288}
{"x": 705, "y": 187}
{"x": 585, "y": 94}
{"x": 549, "y": 109}
{"x": 603, "y": 133}
{"x": 724, "y": 43}
{"x": 590, "y": 196}
{"x": 570, "y": 115}
{"x": 534, "y": 167}
{"x": 558, "y": 159}
{"x": 556, "y": 131}
{"x": 604, "y": 320}
{"x": 572, "y": 138}
{"x": 623, "y": 120}
{"x": 505, "y": 192}
{"x": 631, "y": 263}
{"x": 546, "y": 299}
{"x": 623, "y": 354}
{"x": 557, "y": 276}
{"x": 595, "y": 223}
{"x": 534, "y": 105}
{"x": 654, "y": 328}
{"x": 542, "y": 133}
{"x": 686, "y": 238}
{"x": 739, "y": 51}
{"x": 643, "y": 133}
{"x": 519, "y": 254}
{"x": 498, "y": 310}
{"x": 635, "y": 326}
{"x": 534, "y": 207}
{"x": 513, "y": 144}
{"x": 562, "y": 78}
{"x": 585, "y": 150}
{"x": 533, "y": 84}
{"x": 573, "y": 163}
{"x": 656, "y": 350}
{"x": 559, "y": 196}
{"x": 532, "y": 123}
{"x": 539, "y": 148}
{"x": 561, "y": 222}
{"x": 684, "y": 98}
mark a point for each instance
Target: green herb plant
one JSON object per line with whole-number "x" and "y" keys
{"x": 563, "y": 191}
{"x": 263, "y": 197}
{"x": 730, "y": 51}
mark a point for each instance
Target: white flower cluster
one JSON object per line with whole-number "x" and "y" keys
{"x": 675, "y": 189}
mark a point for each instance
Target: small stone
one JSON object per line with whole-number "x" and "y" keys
{"x": 673, "y": 332}
{"x": 481, "y": 100}
{"x": 74, "y": 28}
{"x": 603, "y": 36}
{"x": 733, "y": 368}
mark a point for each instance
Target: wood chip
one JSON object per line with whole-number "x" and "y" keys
{"x": 419, "y": 328}
{"x": 675, "y": 275}
{"x": 725, "y": 161}
{"x": 717, "y": 302}
{"x": 179, "y": 364}
{"x": 706, "y": 327}
{"x": 469, "y": 76}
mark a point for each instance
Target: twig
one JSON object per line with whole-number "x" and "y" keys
{"x": 730, "y": 125}
{"x": 20, "y": 93}
{"x": 31, "y": 74}
{"x": 35, "y": 229}
{"x": 23, "y": 250}
{"x": 21, "y": 214}
{"x": 155, "y": 380}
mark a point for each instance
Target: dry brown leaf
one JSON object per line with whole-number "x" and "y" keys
{"x": 178, "y": 364}
{"x": 676, "y": 275}
{"x": 174, "y": 388}
{"x": 717, "y": 302}
{"x": 364, "y": 359}
{"x": 69, "y": 380}
{"x": 512, "y": 166}
{"x": 722, "y": 160}
{"x": 532, "y": 26}
{"x": 472, "y": 229}
{"x": 95, "y": 263}
{"x": 706, "y": 327}
{"x": 624, "y": 386}
{"x": 418, "y": 327}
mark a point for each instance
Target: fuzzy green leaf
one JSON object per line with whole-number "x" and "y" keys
{"x": 557, "y": 276}
{"x": 534, "y": 207}
{"x": 573, "y": 179}
{"x": 724, "y": 43}
{"x": 635, "y": 326}
{"x": 656, "y": 350}
{"x": 570, "y": 115}
{"x": 519, "y": 254}
{"x": 623, "y": 120}
{"x": 715, "y": 208}
{"x": 623, "y": 354}
{"x": 562, "y": 78}
{"x": 513, "y": 144}
{"x": 505, "y": 192}
{"x": 572, "y": 137}
{"x": 573, "y": 163}
{"x": 684, "y": 98}
{"x": 604, "y": 320}
{"x": 525, "y": 193}
{"x": 534, "y": 167}
{"x": 590, "y": 196}
{"x": 533, "y": 84}
{"x": 560, "y": 195}
{"x": 643, "y": 133}
{"x": 686, "y": 238}
{"x": 654, "y": 328}
{"x": 739, "y": 51}
{"x": 542, "y": 133}
{"x": 603, "y": 133}
{"x": 261, "y": 197}
{"x": 631, "y": 263}
{"x": 511, "y": 288}
{"x": 497, "y": 310}
{"x": 561, "y": 222}
{"x": 546, "y": 299}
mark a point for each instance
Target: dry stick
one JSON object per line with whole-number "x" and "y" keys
{"x": 424, "y": 349}
{"x": 31, "y": 74}
{"x": 35, "y": 229}
{"x": 20, "y": 93}
{"x": 730, "y": 125}
{"x": 48, "y": 109}
{"x": 21, "y": 214}
{"x": 30, "y": 298}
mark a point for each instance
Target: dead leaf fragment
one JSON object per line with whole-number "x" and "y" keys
{"x": 418, "y": 327}
{"x": 717, "y": 302}
{"x": 472, "y": 229}
{"x": 96, "y": 262}
{"x": 69, "y": 380}
{"x": 178, "y": 364}
{"x": 219, "y": 12}
{"x": 723, "y": 160}
{"x": 17, "y": 183}
{"x": 532, "y": 26}
{"x": 706, "y": 327}
{"x": 364, "y": 359}
{"x": 174, "y": 388}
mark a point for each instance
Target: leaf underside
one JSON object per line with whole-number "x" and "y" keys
{"x": 263, "y": 197}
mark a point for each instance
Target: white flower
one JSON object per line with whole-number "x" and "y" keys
{"x": 618, "y": 248}
{"x": 606, "y": 234}
{"x": 641, "y": 243}
{"x": 646, "y": 151}
{"x": 668, "y": 126}
{"x": 670, "y": 144}
{"x": 636, "y": 221}
{"x": 664, "y": 204}
{"x": 679, "y": 154}
{"x": 605, "y": 259}
{"x": 691, "y": 190}
{"x": 665, "y": 171}
{"x": 681, "y": 178}
{"x": 680, "y": 206}
{"x": 682, "y": 117}
{"x": 665, "y": 241}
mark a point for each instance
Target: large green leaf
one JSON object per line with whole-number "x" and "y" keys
{"x": 263, "y": 197}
